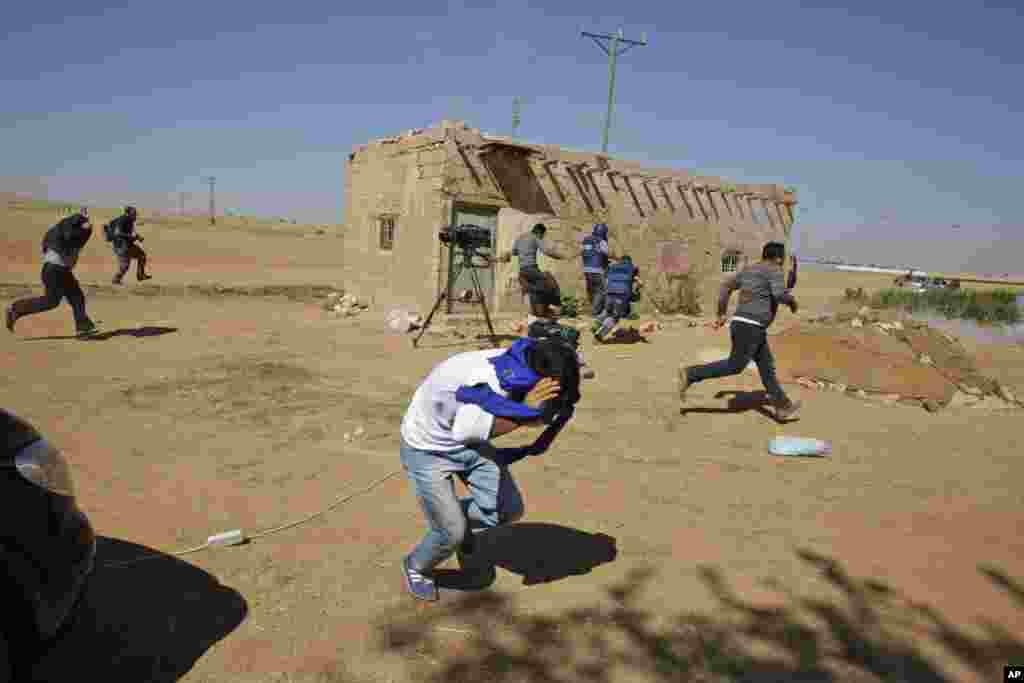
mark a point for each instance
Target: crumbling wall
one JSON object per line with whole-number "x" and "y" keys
{"x": 400, "y": 179}
{"x": 420, "y": 176}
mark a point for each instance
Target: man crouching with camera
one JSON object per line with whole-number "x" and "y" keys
{"x": 463, "y": 403}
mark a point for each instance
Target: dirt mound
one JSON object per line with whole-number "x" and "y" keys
{"x": 869, "y": 355}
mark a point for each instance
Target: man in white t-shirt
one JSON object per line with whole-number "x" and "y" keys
{"x": 463, "y": 403}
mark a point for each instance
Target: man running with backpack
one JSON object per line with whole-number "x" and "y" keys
{"x": 121, "y": 233}
{"x": 61, "y": 246}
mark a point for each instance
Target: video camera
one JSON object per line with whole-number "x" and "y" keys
{"x": 547, "y": 329}
{"x": 468, "y": 237}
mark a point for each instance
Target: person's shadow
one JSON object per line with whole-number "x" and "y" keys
{"x": 142, "y": 621}
{"x": 626, "y": 335}
{"x": 539, "y": 552}
{"x": 137, "y": 332}
{"x": 739, "y": 402}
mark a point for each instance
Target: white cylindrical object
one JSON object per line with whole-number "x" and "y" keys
{"x": 233, "y": 537}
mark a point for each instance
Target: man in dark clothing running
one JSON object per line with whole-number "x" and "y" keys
{"x": 60, "y": 247}
{"x": 125, "y": 241}
{"x": 762, "y": 288}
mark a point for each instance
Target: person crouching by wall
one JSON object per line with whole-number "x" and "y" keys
{"x": 622, "y": 292}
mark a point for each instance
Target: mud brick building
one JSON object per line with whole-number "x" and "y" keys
{"x": 680, "y": 229}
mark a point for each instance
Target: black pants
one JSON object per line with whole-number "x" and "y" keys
{"x": 125, "y": 254}
{"x": 596, "y": 292}
{"x": 749, "y": 343}
{"x": 60, "y": 283}
{"x": 542, "y": 289}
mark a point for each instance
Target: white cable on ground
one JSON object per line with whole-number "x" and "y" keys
{"x": 236, "y": 536}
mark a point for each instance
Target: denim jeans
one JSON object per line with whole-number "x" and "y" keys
{"x": 494, "y": 498}
{"x": 596, "y": 292}
{"x": 749, "y": 343}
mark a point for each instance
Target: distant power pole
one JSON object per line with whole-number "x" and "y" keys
{"x": 517, "y": 115}
{"x": 613, "y": 52}
{"x": 211, "y": 180}
{"x": 181, "y": 203}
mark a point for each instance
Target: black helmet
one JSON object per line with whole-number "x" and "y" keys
{"x": 15, "y": 434}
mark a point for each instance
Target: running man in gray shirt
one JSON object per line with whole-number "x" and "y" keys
{"x": 762, "y": 287}
{"x": 545, "y": 294}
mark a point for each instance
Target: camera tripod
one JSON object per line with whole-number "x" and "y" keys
{"x": 478, "y": 290}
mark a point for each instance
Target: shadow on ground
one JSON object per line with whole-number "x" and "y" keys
{"x": 540, "y": 553}
{"x": 137, "y": 332}
{"x": 866, "y": 631}
{"x": 739, "y": 402}
{"x": 145, "y": 621}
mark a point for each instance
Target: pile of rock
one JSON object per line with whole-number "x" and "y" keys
{"x": 338, "y": 304}
{"x": 404, "y": 321}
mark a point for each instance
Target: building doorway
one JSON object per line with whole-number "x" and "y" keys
{"x": 460, "y": 288}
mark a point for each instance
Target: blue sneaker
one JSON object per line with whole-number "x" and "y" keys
{"x": 420, "y": 585}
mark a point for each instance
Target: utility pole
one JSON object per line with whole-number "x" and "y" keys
{"x": 615, "y": 42}
{"x": 517, "y": 115}
{"x": 181, "y": 203}
{"x": 211, "y": 180}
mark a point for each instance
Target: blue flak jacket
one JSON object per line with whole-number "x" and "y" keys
{"x": 620, "y": 280}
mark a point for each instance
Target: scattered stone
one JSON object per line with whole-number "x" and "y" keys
{"x": 861, "y": 393}
{"x": 926, "y": 359}
{"x": 856, "y": 322}
{"x": 973, "y": 391}
{"x": 896, "y": 325}
{"x": 1004, "y": 393}
{"x": 932, "y": 406}
{"x": 358, "y": 433}
{"x": 841, "y": 388}
{"x": 864, "y": 312}
{"x": 963, "y": 400}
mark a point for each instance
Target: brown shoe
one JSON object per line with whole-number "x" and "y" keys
{"x": 684, "y": 383}
{"x": 788, "y": 411}
{"x": 12, "y": 318}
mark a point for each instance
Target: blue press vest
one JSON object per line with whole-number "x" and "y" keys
{"x": 592, "y": 256}
{"x": 620, "y": 280}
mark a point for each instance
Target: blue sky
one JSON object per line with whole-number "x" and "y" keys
{"x": 895, "y": 121}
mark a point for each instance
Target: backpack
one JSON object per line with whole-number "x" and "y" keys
{"x": 108, "y": 231}
{"x": 51, "y": 239}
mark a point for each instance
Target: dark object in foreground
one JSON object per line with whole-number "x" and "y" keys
{"x": 47, "y": 549}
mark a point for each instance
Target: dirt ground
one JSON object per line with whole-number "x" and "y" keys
{"x": 657, "y": 546}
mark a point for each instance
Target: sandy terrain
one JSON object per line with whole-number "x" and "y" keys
{"x": 656, "y": 546}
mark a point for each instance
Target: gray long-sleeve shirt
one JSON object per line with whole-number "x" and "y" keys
{"x": 762, "y": 288}
{"x": 526, "y": 247}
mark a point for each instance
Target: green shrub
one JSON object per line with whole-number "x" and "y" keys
{"x": 996, "y": 306}
{"x": 676, "y": 295}
{"x": 570, "y": 306}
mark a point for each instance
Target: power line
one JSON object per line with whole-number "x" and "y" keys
{"x": 613, "y": 52}
{"x": 211, "y": 180}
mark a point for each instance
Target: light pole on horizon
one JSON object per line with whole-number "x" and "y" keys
{"x": 211, "y": 181}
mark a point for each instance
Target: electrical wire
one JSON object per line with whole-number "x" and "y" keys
{"x": 261, "y": 534}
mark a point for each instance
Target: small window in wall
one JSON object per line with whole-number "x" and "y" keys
{"x": 730, "y": 261}
{"x": 387, "y": 232}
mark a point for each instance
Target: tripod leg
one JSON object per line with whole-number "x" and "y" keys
{"x": 483, "y": 302}
{"x": 437, "y": 304}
